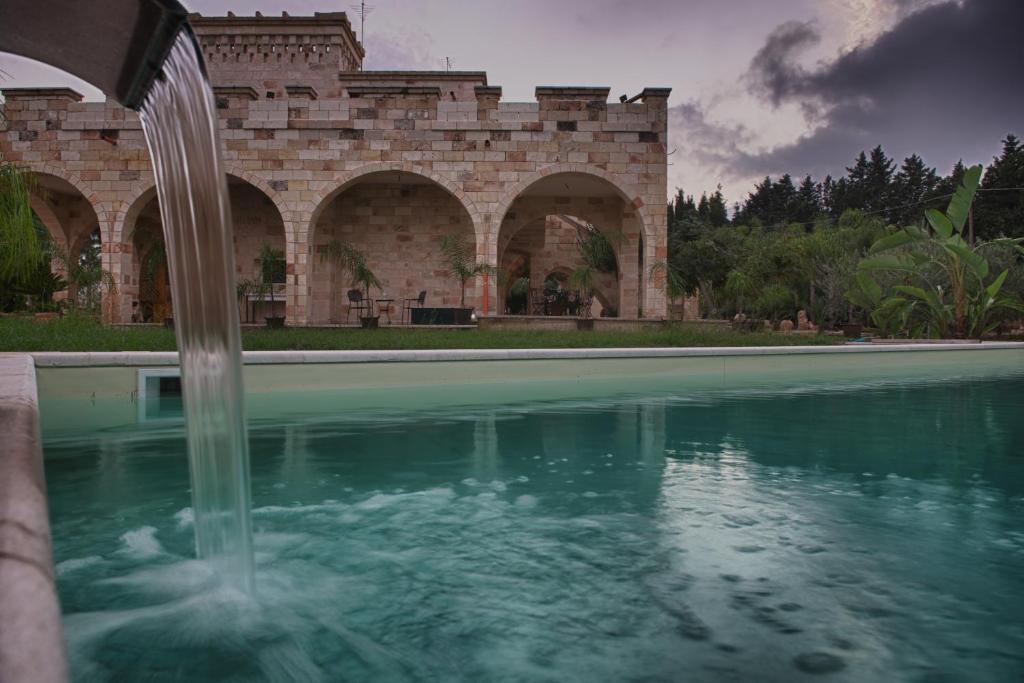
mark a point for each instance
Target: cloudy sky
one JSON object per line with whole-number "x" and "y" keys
{"x": 759, "y": 86}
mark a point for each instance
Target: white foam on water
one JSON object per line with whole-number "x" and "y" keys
{"x": 141, "y": 543}
{"x": 74, "y": 564}
{"x": 526, "y": 501}
{"x": 185, "y": 518}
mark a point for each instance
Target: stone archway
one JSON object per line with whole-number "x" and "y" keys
{"x": 396, "y": 218}
{"x": 256, "y": 220}
{"x": 603, "y": 203}
{"x": 72, "y": 222}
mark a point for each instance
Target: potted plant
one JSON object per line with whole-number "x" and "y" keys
{"x": 247, "y": 291}
{"x": 457, "y": 254}
{"x": 582, "y": 281}
{"x": 271, "y": 264}
{"x": 350, "y": 259}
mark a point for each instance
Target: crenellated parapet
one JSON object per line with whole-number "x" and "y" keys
{"x": 318, "y": 141}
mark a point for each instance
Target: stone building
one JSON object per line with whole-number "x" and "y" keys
{"x": 390, "y": 161}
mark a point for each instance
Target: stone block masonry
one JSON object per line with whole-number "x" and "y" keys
{"x": 387, "y": 160}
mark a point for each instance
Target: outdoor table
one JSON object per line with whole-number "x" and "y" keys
{"x": 384, "y": 306}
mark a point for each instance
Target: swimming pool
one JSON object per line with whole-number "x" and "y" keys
{"x": 871, "y": 531}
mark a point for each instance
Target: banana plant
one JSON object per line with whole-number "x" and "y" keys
{"x": 946, "y": 290}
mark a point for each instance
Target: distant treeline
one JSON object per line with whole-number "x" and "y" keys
{"x": 874, "y": 186}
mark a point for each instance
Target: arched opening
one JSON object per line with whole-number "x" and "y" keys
{"x": 397, "y": 221}
{"x": 582, "y": 223}
{"x": 257, "y": 226}
{"x": 66, "y": 218}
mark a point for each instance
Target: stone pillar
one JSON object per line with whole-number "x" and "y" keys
{"x": 297, "y": 283}
{"x": 655, "y": 304}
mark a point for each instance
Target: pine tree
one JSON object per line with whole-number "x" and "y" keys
{"x": 808, "y": 202}
{"x": 683, "y": 219}
{"x": 718, "y": 215}
{"x": 828, "y": 195}
{"x": 877, "y": 181}
{"x": 911, "y": 185}
{"x": 999, "y": 210}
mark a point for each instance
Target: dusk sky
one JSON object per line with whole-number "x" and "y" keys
{"x": 759, "y": 86}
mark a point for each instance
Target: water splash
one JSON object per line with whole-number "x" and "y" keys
{"x": 180, "y": 124}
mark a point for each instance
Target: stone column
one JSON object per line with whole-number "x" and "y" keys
{"x": 297, "y": 260}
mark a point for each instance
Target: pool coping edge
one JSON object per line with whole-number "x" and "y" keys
{"x": 55, "y": 359}
{"x": 34, "y": 651}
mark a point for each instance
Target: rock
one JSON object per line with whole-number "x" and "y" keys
{"x": 803, "y": 323}
{"x": 786, "y": 326}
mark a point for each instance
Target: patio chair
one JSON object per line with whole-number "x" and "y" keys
{"x": 537, "y": 301}
{"x": 356, "y": 303}
{"x": 407, "y": 304}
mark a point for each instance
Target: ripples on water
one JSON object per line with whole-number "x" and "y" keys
{"x": 867, "y": 535}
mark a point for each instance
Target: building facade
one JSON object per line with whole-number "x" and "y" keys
{"x": 389, "y": 161}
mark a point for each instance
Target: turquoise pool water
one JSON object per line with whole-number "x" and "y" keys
{"x": 853, "y": 534}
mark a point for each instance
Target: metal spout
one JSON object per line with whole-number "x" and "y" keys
{"x": 117, "y": 45}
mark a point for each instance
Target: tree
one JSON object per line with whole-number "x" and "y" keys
{"x": 458, "y": 256}
{"x": 999, "y": 210}
{"x": 947, "y": 289}
{"x": 21, "y": 251}
{"x": 877, "y": 181}
{"x": 350, "y": 259}
{"x": 808, "y": 202}
{"x": 912, "y": 184}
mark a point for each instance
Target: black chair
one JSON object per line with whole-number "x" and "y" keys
{"x": 538, "y": 305}
{"x": 407, "y": 304}
{"x": 356, "y": 303}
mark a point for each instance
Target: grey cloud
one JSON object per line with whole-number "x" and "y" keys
{"x": 943, "y": 82}
{"x": 696, "y": 137}
{"x": 773, "y": 74}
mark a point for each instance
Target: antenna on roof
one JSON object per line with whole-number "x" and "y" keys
{"x": 362, "y": 9}
{"x": 447, "y": 63}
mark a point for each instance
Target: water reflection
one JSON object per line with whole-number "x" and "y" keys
{"x": 744, "y": 536}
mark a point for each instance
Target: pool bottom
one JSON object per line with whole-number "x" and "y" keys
{"x": 870, "y": 534}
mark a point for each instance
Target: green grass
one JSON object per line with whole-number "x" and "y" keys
{"x": 84, "y": 334}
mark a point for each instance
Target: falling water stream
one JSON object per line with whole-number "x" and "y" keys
{"x": 180, "y": 124}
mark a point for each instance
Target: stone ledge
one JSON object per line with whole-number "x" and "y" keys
{"x": 34, "y": 651}
{"x": 357, "y": 91}
{"x": 244, "y": 92}
{"x": 571, "y": 92}
{"x": 158, "y": 358}
{"x": 301, "y": 91}
{"x": 42, "y": 94}
{"x": 368, "y": 76}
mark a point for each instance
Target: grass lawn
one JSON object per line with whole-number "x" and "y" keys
{"x": 85, "y": 334}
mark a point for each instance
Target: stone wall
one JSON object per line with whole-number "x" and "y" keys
{"x": 270, "y": 53}
{"x": 498, "y": 160}
{"x": 398, "y": 226}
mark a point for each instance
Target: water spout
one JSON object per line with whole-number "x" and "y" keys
{"x": 180, "y": 124}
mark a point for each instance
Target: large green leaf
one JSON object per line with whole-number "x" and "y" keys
{"x": 868, "y": 285}
{"x": 942, "y": 225}
{"x": 889, "y": 262}
{"x": 960, "y": 204}
{"x": 993, "y": 289}
{"x": 897, "y": 239}
{"x": 974, "y": 260}
{"x": 930, "y": 298}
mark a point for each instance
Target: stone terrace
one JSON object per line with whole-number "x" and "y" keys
{"x": 381, "y": 134}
